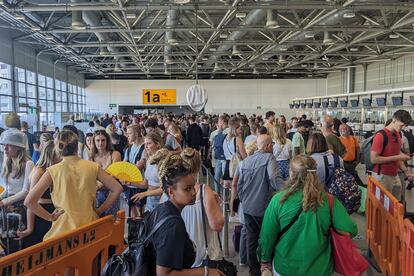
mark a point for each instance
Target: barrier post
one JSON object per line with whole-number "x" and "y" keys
{"x": 75, "y": 249}
{"x": 384, "y": 215}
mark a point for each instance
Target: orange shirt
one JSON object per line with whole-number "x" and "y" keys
{"x": 351, "y": 145}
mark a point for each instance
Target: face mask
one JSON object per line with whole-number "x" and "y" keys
{"x": 342, "y": 133}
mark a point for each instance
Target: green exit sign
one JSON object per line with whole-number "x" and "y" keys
{"x": 259, "y": 107}
{"x": 112, "y": 105}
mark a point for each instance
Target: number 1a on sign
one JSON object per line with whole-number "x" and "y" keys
{"x": 155, "y": 98}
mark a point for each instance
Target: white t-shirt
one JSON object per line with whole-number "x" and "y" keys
{"x": 282, "y": 152}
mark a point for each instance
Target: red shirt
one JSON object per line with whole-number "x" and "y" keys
{"x": 392, "y": 148}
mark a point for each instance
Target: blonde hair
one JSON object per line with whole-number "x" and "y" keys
{"x": 48, "y": 155}
{"x": 172, "y": 166}
{"x": 45, "y": 137}
{"x": 15, "y": 166}
{"x": 136, "y": 128}
{"x": 156, "y": 138}
{"x": 251, "y": 147}
{"x": 66, "y": 143}
{"x": 176, "y": 131}
{"x": 279, "y": 134}
{"x": 303, "y": 175}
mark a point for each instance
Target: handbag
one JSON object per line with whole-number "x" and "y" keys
{"x": 234, "y": 161}
{"x": 228, "y": 268}
{"x": 347, "y": 260}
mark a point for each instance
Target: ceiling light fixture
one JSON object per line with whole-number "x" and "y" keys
{"x": 283, "y": 48}
{"x": 282, "y": 59}
{"x": 274, "y": 75}
{"x": 180, "y": 2}
{"x": 349, "y": 14}
{"x": 172, "y": 41}
{"x": 393, "y": 36}
{"x": 354, "y": 49}
{"x": 241, "y": 71}
{"x": 141, "y": 50}
{"x": 131, "y": 15}
{"x": 255, "y": 71}
{"x": 287, "y": 71}
{"x": 224, "y": 35}
{"x": 265, "y": 58}
{"x": 304, "y": 65}
{"x": 212, "y": 49}
{"x": 309, "y": 35}
{"x": 35, "y": 28}
{"x": 204, "y": 58}
{"x": 241, "y": 15}
{"x": 19, "y": 17}
{"x": 315, "y": 66}
{"x": 271, "y": 22}
{"x": 137, "y": 36}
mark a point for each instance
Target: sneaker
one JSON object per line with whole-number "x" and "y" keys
{"x": 242, "y": 264}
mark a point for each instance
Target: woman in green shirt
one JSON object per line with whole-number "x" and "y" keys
{"x": 304, "y": 249}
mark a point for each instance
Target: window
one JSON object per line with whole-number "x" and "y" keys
{"x": 42, "y": 80}
{"x": 5, "y": 87}
{"x": 31, "y": 91}
{"x": 20, "y": 74}
{"x": 30, "y": 77}
{"x": 42, "y": 93}
{"x": 49, "y": 82}
{"x": 5, "y": 71}
{"x": 6, "y": 103}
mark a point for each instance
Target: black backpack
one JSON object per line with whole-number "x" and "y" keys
{"x": 410, "y": 137}
{"x": 138, "y": 259}
{"x": 218, "y": 145}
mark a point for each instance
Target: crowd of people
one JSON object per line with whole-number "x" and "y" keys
{"x": 276, "y": 169}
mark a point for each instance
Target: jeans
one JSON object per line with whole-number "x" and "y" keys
{"x": 243, "y": 245}
{"x": 218, "y": 173}
{"x": 253, "y": 225}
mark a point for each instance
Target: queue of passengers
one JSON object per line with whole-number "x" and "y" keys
{"x": 274, "y": 180}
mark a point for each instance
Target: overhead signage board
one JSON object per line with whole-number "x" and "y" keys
{"x": 159, "y": 96}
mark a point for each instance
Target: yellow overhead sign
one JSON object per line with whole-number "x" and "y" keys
{"x": 159, "y": 96}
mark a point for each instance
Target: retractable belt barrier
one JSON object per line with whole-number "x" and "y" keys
{"x": 385, "y": 216}
{"x": 76, "y": 249}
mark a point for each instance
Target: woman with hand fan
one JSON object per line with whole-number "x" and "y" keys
{"x": 103, "y": 154}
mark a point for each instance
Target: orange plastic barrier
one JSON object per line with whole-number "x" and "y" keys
{"x": 384, "y": 215}
{"x": 76, "y": 249}
{"x": 407, "y": 248}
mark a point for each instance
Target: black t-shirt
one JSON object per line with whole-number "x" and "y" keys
{"x": 173, "y": 247}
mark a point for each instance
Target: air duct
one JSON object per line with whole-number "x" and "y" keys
{"x": 170, "y": 37}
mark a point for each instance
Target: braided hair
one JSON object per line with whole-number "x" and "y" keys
{"x": 172, "y": 166}
{"x": 303, "y": 175}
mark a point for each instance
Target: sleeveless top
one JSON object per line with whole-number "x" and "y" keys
{"x": 74, "y": 191}
{"x": 151, "y": 175}
{"x": 192, "y": 216}
{"x": 228, "y": 148}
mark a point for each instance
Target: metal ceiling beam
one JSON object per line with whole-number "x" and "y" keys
{"x": 305, "y": 5}
{"x": 316, "y": 28}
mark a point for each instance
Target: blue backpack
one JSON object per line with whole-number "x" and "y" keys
{"x": 342, "y": 185}
{"x": 218, "y": 145}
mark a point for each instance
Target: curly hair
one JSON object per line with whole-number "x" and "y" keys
{"x": 172, "y": 166}
{"x": 303, "y": 175}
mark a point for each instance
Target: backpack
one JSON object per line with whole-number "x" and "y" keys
{"x": 365, "y": 154}
{"x": 410, "y": 137}
{"x": 218, "y": 145}
{"x": 342, "y": 185}
{"x": 138, "y": 259}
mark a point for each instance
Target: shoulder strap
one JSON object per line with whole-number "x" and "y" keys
{"x": 294, "y": 219}
{"x": 337, "y": 162}
{"x": 127, "y": 152}
{"x": 203, "y": 215}
{"x": 139, "y": 155}
{"x": 384, "y": 144}
{"x": 325, "y": 161}
{"x": 331, "y": 204}
{"x": 158, "y": 225}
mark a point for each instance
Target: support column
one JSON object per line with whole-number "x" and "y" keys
{"x": 350, "y": 80}
{"x": 15, "y": 107}
{"x": 365, "y": 76}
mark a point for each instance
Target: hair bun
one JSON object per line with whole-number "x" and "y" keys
{"x": 189, "y": 152}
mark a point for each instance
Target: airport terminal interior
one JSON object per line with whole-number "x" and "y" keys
{"x": 207, "y": 137}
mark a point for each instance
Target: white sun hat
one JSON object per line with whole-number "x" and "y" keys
{"x": 13, "y": 137}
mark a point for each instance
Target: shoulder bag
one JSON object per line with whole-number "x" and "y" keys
{"x": 235, "y": 159}
{"x": 228, "y": 268}
{"x": 347, "y": 260}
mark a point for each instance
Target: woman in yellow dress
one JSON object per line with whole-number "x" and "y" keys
{"x": 73, "y": 186}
